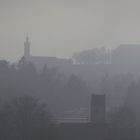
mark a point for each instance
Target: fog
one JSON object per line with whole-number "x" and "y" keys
{"x": 61, "y": 27}
{"x": 69, "y": 70}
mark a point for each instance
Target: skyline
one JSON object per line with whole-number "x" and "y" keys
{"x": 59, "y": 28}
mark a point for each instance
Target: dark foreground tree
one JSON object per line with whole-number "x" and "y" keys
{"x": 123, "y": 122}
{"x": 25, "y": 118}
{"x": 122, "y": 117}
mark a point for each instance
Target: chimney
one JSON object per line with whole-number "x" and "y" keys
{"x": 98, "y": 109}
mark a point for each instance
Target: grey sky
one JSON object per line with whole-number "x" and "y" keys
{"x": 60, "y": 27}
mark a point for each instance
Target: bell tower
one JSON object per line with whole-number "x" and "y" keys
{"x": 27, "y": 48}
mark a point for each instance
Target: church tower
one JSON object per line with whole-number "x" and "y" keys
{"x": 27, "y": 48}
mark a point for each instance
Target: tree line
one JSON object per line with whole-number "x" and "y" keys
{"x": 23, "y": 116}
{"x": 59, "y": 91}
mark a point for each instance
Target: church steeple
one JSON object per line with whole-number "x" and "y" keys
{"x": 27, "y": 48}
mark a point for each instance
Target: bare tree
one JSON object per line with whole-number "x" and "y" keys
{"x": 25, "y": 118}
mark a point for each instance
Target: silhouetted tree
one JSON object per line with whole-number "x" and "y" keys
{"x": 49, "y": 85}
{"x": 122, "y": 117}
{"x": 75, "y": 93}
{"x": 26, "y": 118}
{"x": 92, "y": 56}
{"x": 115, "y": 87}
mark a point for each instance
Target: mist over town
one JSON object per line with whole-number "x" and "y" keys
{"x": 69, "y": 70}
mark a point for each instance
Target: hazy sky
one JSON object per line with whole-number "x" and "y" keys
{"x": 60, "y": 27}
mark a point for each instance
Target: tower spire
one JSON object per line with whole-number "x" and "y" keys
{"x": 27, "y": 48}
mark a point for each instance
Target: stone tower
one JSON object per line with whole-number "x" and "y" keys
{"x": 98, "y": 109}
{"x": 27, "y": 49}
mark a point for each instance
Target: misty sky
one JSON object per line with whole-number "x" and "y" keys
{"x": 60, "y": 27}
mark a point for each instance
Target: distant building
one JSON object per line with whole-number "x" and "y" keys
{"x": 27, "y": 49}
{"x": 96, "y": 113}
{"x": 126, "y": 59}
{"x": 98, "y": 109}
{"x": 40, "y": 61}
{"x": 75, "y": 115}
{"x": 97, "y": 128}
